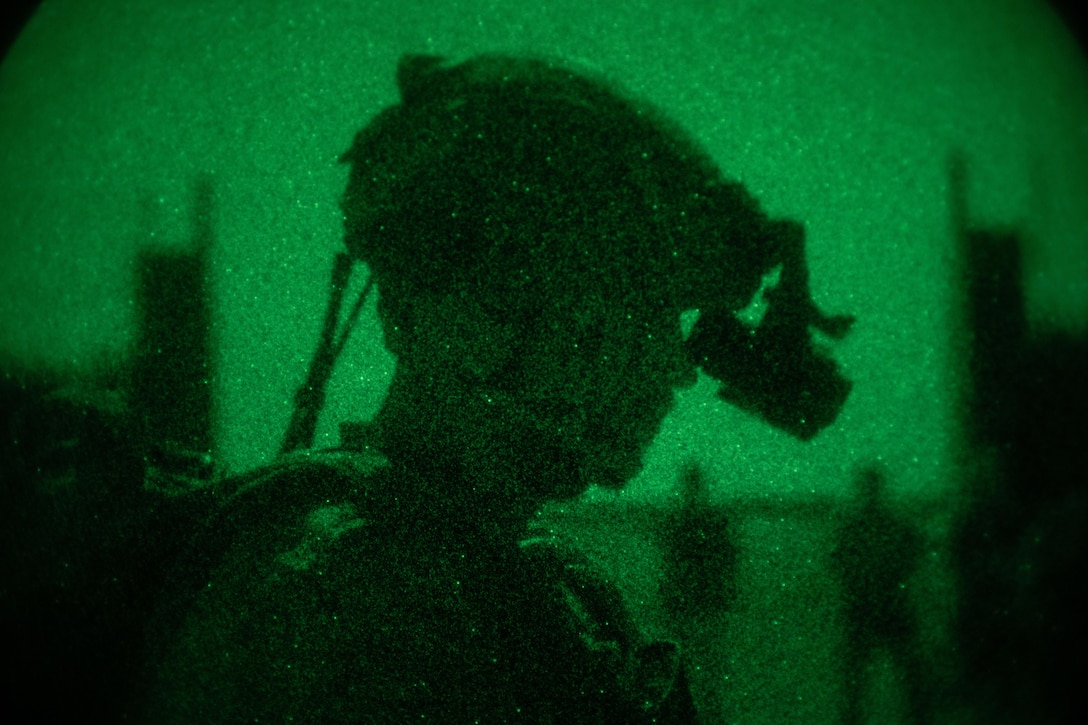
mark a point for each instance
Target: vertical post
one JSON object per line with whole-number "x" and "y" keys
{"x": 173, "y": 368}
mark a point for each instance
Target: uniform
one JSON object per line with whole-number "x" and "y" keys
{"x": 323, "y": 590}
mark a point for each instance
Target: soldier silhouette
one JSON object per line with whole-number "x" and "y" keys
{"x": 876, "y": 553}
{"x": 534, "y": 236}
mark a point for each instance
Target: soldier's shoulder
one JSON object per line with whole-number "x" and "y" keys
{"x": 304, "y": 475}
{"x": 310, "y": 496}
{"x": 281, "y": 588}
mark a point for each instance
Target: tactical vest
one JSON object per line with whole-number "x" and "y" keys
{"x": 319, "y": 592}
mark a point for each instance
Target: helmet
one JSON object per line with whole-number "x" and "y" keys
{"x": 521, "y": 175}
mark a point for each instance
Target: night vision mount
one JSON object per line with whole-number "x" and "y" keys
{"x": 775, "y": 369}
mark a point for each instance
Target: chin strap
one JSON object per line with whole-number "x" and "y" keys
{"x": 310, "y": 397}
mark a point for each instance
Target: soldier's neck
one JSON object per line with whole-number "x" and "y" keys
{"x": 443, "y": 437}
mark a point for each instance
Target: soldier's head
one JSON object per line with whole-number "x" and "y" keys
{"x": 537, "y": 235}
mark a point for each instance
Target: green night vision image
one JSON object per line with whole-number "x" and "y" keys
{"x": 700, "y": 361}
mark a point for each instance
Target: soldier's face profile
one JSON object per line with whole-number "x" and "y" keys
{"x": 595, "y": 381}
{"x": 599, "y": 381}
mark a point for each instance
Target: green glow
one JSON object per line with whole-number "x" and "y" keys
{"x": 840, "y": 114}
